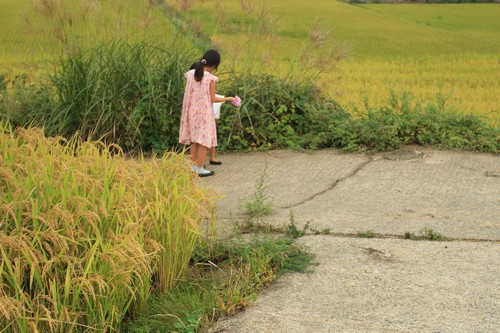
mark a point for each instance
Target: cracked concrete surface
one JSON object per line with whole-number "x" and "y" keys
{"x": 375, "y": 285}
{"x": 331, "y": 187}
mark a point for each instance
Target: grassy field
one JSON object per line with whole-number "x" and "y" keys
{"x": 33, "y": 32}
{"x": 364, "y": 53}
{"x": 429, "y": 51}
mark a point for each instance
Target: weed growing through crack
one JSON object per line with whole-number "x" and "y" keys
{"x": 258, "y": 226}
{"x": 316, "y": 231}
{"x": 260, "y": 205}
{"x": 366, "y": 234}
{"x": 425, "y": 234}
{"x": 292, "y": 230}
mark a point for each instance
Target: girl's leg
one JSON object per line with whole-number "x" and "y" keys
{"x": 201, "y": 152}
{"x": 211, "y": 153}
{"x": 193, "y": 151}
{"x": 198, "y": 154}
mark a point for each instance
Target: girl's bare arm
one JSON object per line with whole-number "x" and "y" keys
{"x": 218, "y": 99}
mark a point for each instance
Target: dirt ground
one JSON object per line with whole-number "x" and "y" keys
{"x": 381, "y": 284}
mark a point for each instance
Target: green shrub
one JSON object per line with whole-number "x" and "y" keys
{"x": 403, "y": 122}
{"x": 275, "y": 113}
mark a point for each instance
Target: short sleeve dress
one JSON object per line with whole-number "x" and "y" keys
{"x": 197, "y": 119}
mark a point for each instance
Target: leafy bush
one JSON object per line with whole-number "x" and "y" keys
{"x": 275, "y": 113}
{"x": 433, "y": 124}
{"x": 86, "y": 235}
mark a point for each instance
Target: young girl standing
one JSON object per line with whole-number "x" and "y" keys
{"x": 197, "y": 127}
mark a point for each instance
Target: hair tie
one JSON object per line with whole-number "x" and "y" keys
{"x": 203, "y": 61}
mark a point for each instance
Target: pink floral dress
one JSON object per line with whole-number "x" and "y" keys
{"x": 197, "y": 119}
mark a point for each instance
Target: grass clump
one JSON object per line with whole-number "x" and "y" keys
{"x": 85, "y": 235}
{"x": 425, "y": 234}
{"x": 224, "y": 277}
{"x": 366, "y": 234}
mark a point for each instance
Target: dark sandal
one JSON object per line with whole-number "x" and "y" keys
{"x": 206, "y": 174}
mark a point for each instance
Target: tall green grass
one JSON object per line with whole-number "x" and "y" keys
{"x": 129, "y": 94}
{"x": 86, "y": 235}
{"x": 132, "y": 94}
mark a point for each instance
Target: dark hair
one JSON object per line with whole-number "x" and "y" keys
{"x": 210, "y": 58}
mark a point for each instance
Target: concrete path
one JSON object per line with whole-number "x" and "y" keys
{"x": 382, "y": 284}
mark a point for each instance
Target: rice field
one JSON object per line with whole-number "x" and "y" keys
{"x": 34, "y": 32}
{"x": 365, "y": 53}
{"x": 86, "y": 234}
{"x": 466, "y": 84}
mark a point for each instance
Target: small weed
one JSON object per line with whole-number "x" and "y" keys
{"x": 412, "y": 236}
{"x": 258, "y": 226}
{"x": 190, "y": 326}
{"x": 260, "y": 205}
{"x": 292, "y": 230}
{"x": 425, "y": 234}
{"x": 430, "y": 234}
{"x": 316, "y": 231}
{"x": 366, "y": 234}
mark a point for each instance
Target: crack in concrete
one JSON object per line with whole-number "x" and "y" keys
{"x": 396, "y": 236}
{"x": 332, "y": 186}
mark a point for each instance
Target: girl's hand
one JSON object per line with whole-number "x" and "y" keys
{"x": 236, "y": 101}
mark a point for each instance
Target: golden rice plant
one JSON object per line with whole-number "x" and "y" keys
{"x": 86, "y": 234}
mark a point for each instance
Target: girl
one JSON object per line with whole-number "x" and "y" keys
{"x": 197, "y": 126}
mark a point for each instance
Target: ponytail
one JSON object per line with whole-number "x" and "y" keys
{"x": 198, "y": 70}
{"x": 210, "y": 58}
